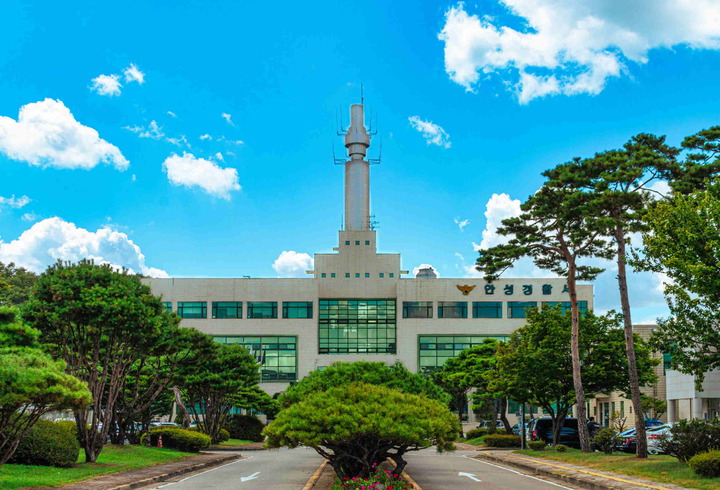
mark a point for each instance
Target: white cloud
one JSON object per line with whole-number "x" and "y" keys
{"x": 189, "y": 171}
{"x": 424, "y": 266}
{"x": 31, "y": 216}
{"x": 14, "y": 202}
{"x": 46, "y": 134}
{"x": 570, "y": 46}
{"x": 153, "y": 130}
{"x": 180, "y": 141}
{"x": 133, "y": 74}
{"x": 293, "y": 264}
{"x": 54, "y": 239}
{"x": 461, "y": 223}
{"x": 206, "y": 137}
{"x": 498, "y": 208}
{"x": 228, "y": 118}
{"x": 433, "y": 134}
{"x": 172, "y": 114}
{"x": 219, "y": 156}
{"x": 106, "y": 85}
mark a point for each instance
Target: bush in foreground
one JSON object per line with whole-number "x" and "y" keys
{"x": 245, "y": 427}
{"x": 537, "y": 445}
{"x": 706, "y": 465}
{"x": 475, "y": 433}
{"x": 690, "y": 437}
{"x": 561, "y": 448}
{"x": 180, "y": 439}
{"x": 502, "y": 440}
{"x": 379, "y": 479}
{"x": 48, "y": 444}
{"x": 606, "y": 440}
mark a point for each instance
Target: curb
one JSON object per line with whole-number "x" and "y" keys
{"x": 315, "y": 476}
{"x": 593, "y": 480}
{"x": 182, "y": 471}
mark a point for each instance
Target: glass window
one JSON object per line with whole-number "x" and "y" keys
{"x": 452, "y": 309}
{"x": 277, "y": 355}
{"x": 565, "y": 305}
{"x": 382, "y": 274}
{"x": 357, "y": 326}
{"x": 332, "y": 274}
{"x": 417, "y": 309}
{"x": 367, "y": 242}
{"x": 516, "y": 309}
{"x": 487, "y": 309}
{"x": 433, "y": 350}
{"x": 262, "y": 309}
{"x": 347, "y": 274}
{"x": 192, "y": 309}
{"x": 367, "y": 274}
{"x": 391, "y": 274}
{"x": 322, "y": 274}
{"x": 297, "y": 309}
{"x": 357, "y": 242}
{"x": 357, "y": 274}
{"x": 227, "y": 309}
{"x": 168, "y": 305}
{"x": 347, "y": 242}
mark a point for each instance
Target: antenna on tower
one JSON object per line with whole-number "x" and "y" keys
{"x": 379, "y": 158}
{"x": 336, "y": 160}
{"x": 362, "y": 99}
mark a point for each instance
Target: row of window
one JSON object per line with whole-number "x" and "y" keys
{"x": 357, "y": 326}
{"x": 480, "y": 309}
{"x": 357, "y": 242}
{"x": 356, "y": 274}
{"x": 234, "y": 309}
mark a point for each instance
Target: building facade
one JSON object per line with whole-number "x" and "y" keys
{"x": 357, "y": 304}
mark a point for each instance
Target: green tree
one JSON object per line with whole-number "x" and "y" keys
{"x": 653, "y": 407}
{"x": 535, "y": 365}
{"x": 31, "y": 382}
{"x": 682, "y": 241}
{"x": 618, "y": 183}
{"x": 16, "y": 284}
{"x": 555, "y": 231}
{"x": 100, "y": 322}
{"x": 357, "y": 426}
{"x": 396, "y": 376}
{"x": 466, "y": 372}
{"x": 224, "y": 376}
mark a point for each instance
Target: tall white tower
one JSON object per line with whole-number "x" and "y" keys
{"x": 357, "y": 173}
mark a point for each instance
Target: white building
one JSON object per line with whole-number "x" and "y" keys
{"x": 685, "y": 401}
{"x": 357, "y": 305}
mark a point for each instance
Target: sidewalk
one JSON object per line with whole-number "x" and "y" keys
{"x": 127, "y": 480}
{"x": 579, "y": 476}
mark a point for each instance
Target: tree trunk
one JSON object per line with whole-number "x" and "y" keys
{"x": 640, "y": 434}
{"x": 503, "y": 415}
{"x": 575, "y": 354}
{"x": 181, "y": 407}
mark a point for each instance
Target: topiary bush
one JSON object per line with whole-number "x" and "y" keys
{"x": 475, "y": 433}
{"x": 606, "y": 440}
{"x": 687, "y": 438}
{"x": 706, "y": 464}
{"x": 536, "y": 445}
{"x": 245, "y": 427}
{"x": 561, "y": 448}
{"x": 502, "y": 440}
{"x": 180, "y": 439}
{"x": 48, "y": 444}
{"x": 224, "y": 435}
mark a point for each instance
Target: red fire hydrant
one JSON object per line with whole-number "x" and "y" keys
{"x": 159, "y": 441}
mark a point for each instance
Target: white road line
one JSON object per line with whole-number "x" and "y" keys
{"x": 516, "y": 472}
{"x": 206, "y": 471}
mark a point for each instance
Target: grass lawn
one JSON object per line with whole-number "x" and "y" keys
{"x": 235, "y": 442}
{"x": 664, "y": 469}
{"x": 478, "y": 441}
{"x": 112, "y": 459}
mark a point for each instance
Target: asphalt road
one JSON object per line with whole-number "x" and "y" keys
{"x": 282, "y": 469}
{"x": 458, "y": 471}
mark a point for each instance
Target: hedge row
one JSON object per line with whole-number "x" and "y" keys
{"x": 175, "y": 438}
{"x": 48, "y": 444}
{"x": 502, "y": 440}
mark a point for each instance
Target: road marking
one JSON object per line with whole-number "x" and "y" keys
{"x": 469, "y": 475}
{"x": 248, "y": 478}
{"x": 206, "y": 471}
{"x": 516, "y": 472}
{"x": 602, "y": 475}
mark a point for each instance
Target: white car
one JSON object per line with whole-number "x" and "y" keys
{"x": 653, "y": 437}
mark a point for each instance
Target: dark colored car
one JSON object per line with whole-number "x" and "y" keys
{"x": 541, "y": 429}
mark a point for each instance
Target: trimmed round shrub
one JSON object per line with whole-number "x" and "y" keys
{"x": 561, "y": 448}
{"x": 48, "y": 444}
{"x": 245, "y": 427}
{"x": 475, "y": 433}
{"x": 224, "y": 435}
{"x": 606, "y": 440}
{"x": 537, "y": 445}
{"x": 502, "y": 440}
{"x": 706, "y": 464}
{"x": 180, "y": 439}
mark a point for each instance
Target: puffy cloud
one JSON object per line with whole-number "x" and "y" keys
{"x": 549, "y": 47}
{"x": 31, "y": 216}
{"x": 498, "y": 208}
{"x": 46, "y": 134}
{"x": 433, "y": 134}
{"x": 425, "y": 266}
{"x": 106, "y": 85}
{"x": 293, "y": 264}
{"x": 461, "y": 223}
{"x": 14, "y": 202}
{"x": 228, "y": 118}
{"x": 206, "y": 137}
{"x": 54, "y": 239}
{"x": 189, "y": 171}
{"x": 133, "y": 74}
{"x": 153, "y": 130}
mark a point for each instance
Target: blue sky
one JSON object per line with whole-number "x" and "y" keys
{"x": 472, "y": 100}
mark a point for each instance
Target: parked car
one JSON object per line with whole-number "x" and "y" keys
{"x": 653, "y": 438}
{"x": 516, "y": 429}
{"x": 158, "y": 424}
{"x": 541, "y": 429}
{"x": 499, "y": 425}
